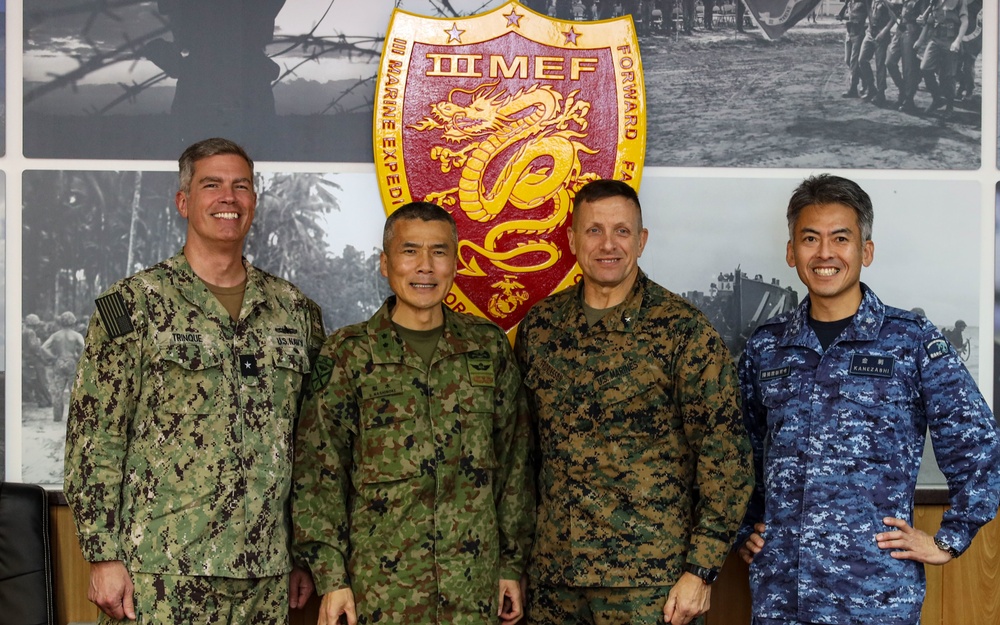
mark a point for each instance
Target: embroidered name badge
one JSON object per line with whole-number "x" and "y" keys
{"x": 481, "y": 369}
{"x": 248, "y": 365}
{"x": 937, "y": 348}
{"x": 549, "y": 371}
{"x": 382, "y": 389}
{"x": 872, "y": 365}
{"x": 773, "y": 374}
{"x": 114, "y": 315}
{"x": 613, "y": 375}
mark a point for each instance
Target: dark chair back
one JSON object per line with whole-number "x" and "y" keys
{"x": 25, "y": 556}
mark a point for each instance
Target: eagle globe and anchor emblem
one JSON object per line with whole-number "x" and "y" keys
{"x": 501, "y": 118}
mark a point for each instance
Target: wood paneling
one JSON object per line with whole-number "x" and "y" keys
{"x": 71, "y": 571}
{"x": 928, "y": 519}
{"x": 963, "y": 592}
{"x": 971, "y": 584}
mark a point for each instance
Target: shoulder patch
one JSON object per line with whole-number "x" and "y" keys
{"x": 114, "y": 315}
{"x": 320, "y": 376}
{"x": 936, "y": 348}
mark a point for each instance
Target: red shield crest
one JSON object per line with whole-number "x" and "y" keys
{"x": 500, "y": 118}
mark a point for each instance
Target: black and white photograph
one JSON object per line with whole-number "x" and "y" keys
{"x": 723, "y": 93}
{"x": 291, "y": 81}
{"x": 84, "y": 230}
{"x": 734, "y": 270}
{"x": 126, "y": 81}
{"x": 748, "y": 249}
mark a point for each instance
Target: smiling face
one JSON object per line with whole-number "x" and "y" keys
{"x": 828, "y": 252}
{"x": 220, "y": 204}
{"x": 607, "y": 239}
{"x": 419, "y": 262}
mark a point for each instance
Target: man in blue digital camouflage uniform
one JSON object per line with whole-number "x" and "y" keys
{"x": 837, "y": 397}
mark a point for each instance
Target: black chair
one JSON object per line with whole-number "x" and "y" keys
{"x": 25, "y": 556}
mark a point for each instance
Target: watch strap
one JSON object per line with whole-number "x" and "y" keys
{"x": 943, "y": 546}
{"x": 707, "y": 575}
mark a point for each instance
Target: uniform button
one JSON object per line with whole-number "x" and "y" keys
{"x": 439, "y": 438}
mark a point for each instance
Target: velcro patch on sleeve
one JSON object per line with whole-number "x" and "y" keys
{"x": 936, "y": 348}
{"x": 115, "y": 315}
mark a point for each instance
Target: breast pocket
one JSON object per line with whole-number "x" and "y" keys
{"x": 289, "y": 367}
{"x": 190, "y": 378}
{"x": 873, "y": 418}
{"x": 393, "y": 447}
{"x": 478, "y": 409}
{"x": 636, "y": 409}
{"x": 784, "y": 416}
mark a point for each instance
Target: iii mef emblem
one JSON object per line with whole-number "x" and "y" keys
{"x": 500, "y": 118}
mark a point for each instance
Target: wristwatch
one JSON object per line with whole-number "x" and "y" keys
{"x": 943, "y": 546}
{"x": 707, "y": 575}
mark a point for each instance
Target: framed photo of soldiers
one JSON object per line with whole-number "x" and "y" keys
{"x": 84, "y": 230}
{"x": 734, "y": 269}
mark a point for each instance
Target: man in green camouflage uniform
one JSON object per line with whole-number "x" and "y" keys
{"x": 645, "y": 467}
{"x": 413, "y": 500}
{"x": 182, "y": 417}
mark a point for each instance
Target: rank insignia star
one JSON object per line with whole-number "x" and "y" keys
{"x": 248, "y": 365}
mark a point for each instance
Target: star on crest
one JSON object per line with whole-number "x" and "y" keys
{"x": 571, "y": 35}
{"x": 455, "y": 34}
{"x": 513, "y": 18}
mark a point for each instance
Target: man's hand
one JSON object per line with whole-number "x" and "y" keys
{"x": 754, "y": 544}
{"x": 689, "y": 598}
{"x": 909, "y": 543}
{"x": 111, "y": 589}
{"x": 510, "y": 604}
{"x": 335, "y": 604}
{"x": 300, "y": 588}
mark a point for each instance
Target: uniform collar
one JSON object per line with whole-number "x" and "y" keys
{"x": 193, "y": 288}
{"x": 387, "y": 346}
{"x": 864, "y": 327}
{"x": 623, "y": 318}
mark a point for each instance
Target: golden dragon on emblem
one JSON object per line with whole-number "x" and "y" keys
{"x": 516, "y": 131}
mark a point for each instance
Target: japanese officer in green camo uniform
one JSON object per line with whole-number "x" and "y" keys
{"x": 645, "y": 467}
{"x": 182, "y": 416}
{"x": 413, "y": 498}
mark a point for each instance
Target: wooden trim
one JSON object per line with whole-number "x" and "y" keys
{"x": 963, "y": 592}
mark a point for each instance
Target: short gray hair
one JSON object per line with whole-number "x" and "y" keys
{"x": 204, "y": 149}
{"x": 424, "y": 211}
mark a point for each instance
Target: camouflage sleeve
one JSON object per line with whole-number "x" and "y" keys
{"x": 317, "y": 334}
{"x": 755, "y": 422}
{"x": 515, "y": 493}
{"x": 709, "y": 403}
{"x": 964, "y": 434}
{"x": 102, "y": 405}
{"x": 321, "y": 474}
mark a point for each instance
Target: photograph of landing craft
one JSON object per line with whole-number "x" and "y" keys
{"x": 737, "y": 303}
